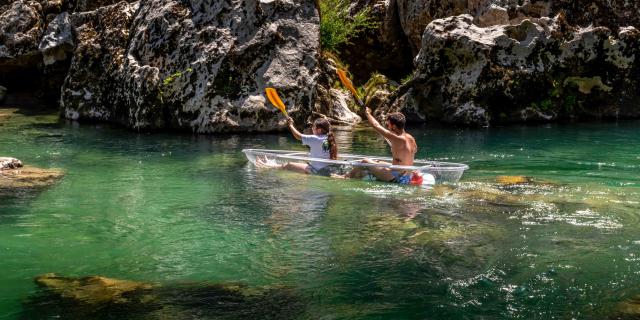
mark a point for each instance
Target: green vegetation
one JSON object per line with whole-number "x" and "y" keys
{"x": 169, "y": 80}
{"x": 546, "y": 105}
{"x": 337, "y": 27}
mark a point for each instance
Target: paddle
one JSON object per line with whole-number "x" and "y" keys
{"x": 275, "y": 100}
{"x": 347, "y": 83}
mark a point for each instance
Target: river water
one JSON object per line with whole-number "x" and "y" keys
{"x": 170, "y": 209}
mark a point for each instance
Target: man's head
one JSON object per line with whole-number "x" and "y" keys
{"x": 396, "y": 121}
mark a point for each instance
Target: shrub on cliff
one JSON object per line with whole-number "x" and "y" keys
{"x": 338, "y": 27}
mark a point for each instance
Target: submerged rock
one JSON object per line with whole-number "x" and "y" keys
{"x": 536, "y": 70}
{"x": 98, "y": 297}
{"x": 507, "y": 180}
{"x": 91, "y": 290}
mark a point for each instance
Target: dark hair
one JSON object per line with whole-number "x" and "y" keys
{"x": 324, "y": 126}
{"x": 397, "y": 119}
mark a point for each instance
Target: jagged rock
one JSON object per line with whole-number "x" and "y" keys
{"x": 91, "y": 5}
{"x": 536, "y": 70}
{"x": 330, "y": 102}
{"x": 201, "y": 66}
{"x": 9, "y": 163}
{"x": 21, "y": 28}
{"x": 492, "y": 15}
{"x": 98, "y": 297}
{"x": 57, "y": 42}
{"x": 93, "y": 87}
{"x": 339, "y": 107}
{"x": 608, "y": 13}
{"x": 415, "y": 15}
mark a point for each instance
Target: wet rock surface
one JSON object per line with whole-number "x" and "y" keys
{"x": 98, "y": 297}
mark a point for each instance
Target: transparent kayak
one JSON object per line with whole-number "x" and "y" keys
{"x": 432, "y": 172}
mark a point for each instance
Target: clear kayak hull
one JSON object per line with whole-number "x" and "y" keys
{"x": 432, "y": 171}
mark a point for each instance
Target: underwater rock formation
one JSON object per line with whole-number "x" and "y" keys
{"x": 538, "y": 70}
{"x": 100, "y": 297}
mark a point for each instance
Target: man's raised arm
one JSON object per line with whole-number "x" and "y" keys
{"x": 378, "y": 127}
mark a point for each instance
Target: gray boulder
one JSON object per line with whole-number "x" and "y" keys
{"x": 537, "y": 70}
{"x": 57, "y": 41}
{"x": 21, "y": 27}
{"x": 200, "y": 65}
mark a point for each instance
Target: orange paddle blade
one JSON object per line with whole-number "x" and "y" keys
{"x": 347, "y": 83}
{"x": 275, "y": 100}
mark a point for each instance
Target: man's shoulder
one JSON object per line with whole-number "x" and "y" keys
{"x": 408, "y": 136}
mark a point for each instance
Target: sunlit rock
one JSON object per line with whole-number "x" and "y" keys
{"x": 492, "y": 15}
{"x": 542, "y": 69}
{"x": 21, "y": 28}
{"x": 57, "y": 42}
{"x": 9, "y": 163}
{"x": 200, "y": 66}
{"x": 24, "y": 178}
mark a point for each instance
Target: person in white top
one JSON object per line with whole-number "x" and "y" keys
{"x": 322, "y": 145}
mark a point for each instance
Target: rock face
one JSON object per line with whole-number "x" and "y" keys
{"x": 534, "y": 71}
{"x": 21, "y": 28}
{"x": 391, "y": 47}
{"x": 201, "y": 66}
{"x": 332, "y": 103}
{"x": 383, "y": 49}
{"x": 607, "y": 13}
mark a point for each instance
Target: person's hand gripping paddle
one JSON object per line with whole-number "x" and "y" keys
{"x": 276, "y": 101}
{"x": 347, "y": 83}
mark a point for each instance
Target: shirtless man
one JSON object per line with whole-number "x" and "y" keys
{"x": 403, "y": 150}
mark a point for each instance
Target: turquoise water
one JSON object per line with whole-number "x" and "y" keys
{"x": 176, "y": 208}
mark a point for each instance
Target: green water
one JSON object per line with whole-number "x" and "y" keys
{"x": 176, "y": 208}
